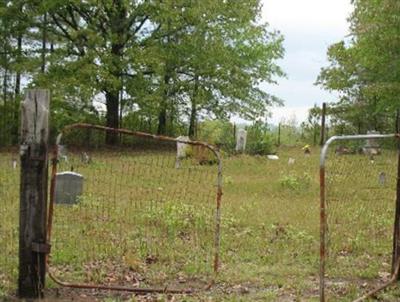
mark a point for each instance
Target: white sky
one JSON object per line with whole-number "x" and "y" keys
{"x": 309, "y": 27}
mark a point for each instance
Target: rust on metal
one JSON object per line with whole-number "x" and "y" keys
{"x": 138, "y": 134}
{"x": 41, "y": 248}
{"x": 373, "y": 292}
{"x": 322, "y": 234}
{"x": 217, "y": 230}
{"x": 135, "y": 290}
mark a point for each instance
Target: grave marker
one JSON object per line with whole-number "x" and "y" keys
{"x": 181, "y": 149}
{"x": 241, "y": 140}
{"x": 69, "y": 187}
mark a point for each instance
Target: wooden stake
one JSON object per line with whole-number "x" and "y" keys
{"x": 33, "y": 193}
{"x": 322, "y": 142}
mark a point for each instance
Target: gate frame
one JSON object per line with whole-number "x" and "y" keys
{"x": 136, "y": 290}
{"x": 323, "y": 215}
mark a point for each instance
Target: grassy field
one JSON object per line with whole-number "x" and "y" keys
{"x": 141, "y": 221}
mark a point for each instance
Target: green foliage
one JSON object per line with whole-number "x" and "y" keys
{"x": 365, "y": 69}
{"x": 178, "y": 217}
{"x": 167, "y": 64}
{"x": 295, "y": 182}
{"x": 311, "y": 128}
{"x": 218, "y": 132}
{"x": 222, "y": 134}
{"x": 259, "y": 140}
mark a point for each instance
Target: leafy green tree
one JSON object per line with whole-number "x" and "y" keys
{"x": 311, "y": 128}
{"x": 365, "y": 69}
{"x": 154, "y": 62}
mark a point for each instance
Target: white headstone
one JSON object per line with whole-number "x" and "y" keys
{"x": 85, "y": 158}
{"x": 69, "y": 187}
{"x": 241, "y": 138}
{"x": 14, "y": 163}
{"x": 372, "y": 142}
{"x": 181, "y": 149}
{"x": 371, "y": 146}
{"x": 62, "y": 153}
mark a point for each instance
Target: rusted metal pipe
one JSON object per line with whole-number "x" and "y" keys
{"x": 392, "y": 280}
{"x": 135, "y": 133}
{"x": 323, "y": 214}
{"x": 136, "y": 290}
{"x": 322, "y": 252}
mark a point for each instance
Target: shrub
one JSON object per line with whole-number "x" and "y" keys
{"x": 219, "y": 133}
{"x": 294, "y": 182}
{"x": 259, "y": 140}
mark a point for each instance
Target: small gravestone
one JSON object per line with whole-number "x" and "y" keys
{"x": 14, "y": 163}
{"x": 382, "y": 178}
{"x": 62, "y": 153}
{"x": 69, "y": 187}
{"x": 182, "y": 149}
{"x": 85, "y": 158}
{"x": 241, "y": 138}
{"x": 372, "y": 146}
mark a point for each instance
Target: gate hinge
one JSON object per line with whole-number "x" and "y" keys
{"x": 41, "y": 248}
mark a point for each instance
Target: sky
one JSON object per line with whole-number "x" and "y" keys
{"x": 309, "y": 27}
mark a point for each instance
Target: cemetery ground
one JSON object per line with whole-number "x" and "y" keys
{"x": 269, "y": 244}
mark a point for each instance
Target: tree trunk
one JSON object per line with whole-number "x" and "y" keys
{"x": 112, "y": 115}
{"x": 17, "y": 92}
{"x": 44, "y": 43}
{"x": 162, "y": 115}
{"x": 162, "y": 121}
{"x": 193, "y": 112}
{"x": 117, "y": 16}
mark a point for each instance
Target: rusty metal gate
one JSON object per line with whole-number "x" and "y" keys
{"x": 9, "y": 214}
{"x": 359, "y": 181}
{"x": 136, "y": 216}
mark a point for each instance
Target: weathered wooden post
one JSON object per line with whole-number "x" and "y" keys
{"x": 279, "y": 135}
{"x": 323, "y": 114}
{"x": 33, "y": 193}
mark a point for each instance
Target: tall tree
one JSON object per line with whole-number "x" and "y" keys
{"x": 365, "y": 69}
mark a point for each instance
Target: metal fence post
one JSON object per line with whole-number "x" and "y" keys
{"x": 33, "y": 193}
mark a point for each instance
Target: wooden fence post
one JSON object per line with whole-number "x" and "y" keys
{"x": 33, "y": 193}
{"x": 279, "y": 135}
{"x": 323, "y": 115}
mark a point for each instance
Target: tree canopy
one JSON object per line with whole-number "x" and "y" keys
{"x": 365, "y": 68}
{"x": 164, "y": 64}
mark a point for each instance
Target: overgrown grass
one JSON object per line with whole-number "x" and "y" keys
{"x": 9, "y": 213}
{"x": 134, "y": 227}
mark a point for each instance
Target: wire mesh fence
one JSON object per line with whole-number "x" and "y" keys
{"x": 358, "y": 211}
{"x": 9, "y": 211}
{"x": 135, "y": 215}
